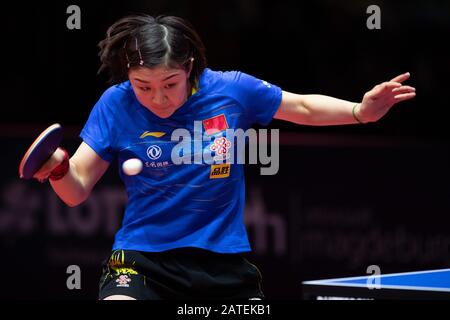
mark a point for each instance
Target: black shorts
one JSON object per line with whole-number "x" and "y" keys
{"x": 184, "y": 273}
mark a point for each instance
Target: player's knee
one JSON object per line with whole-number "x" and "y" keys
{"x": 119, "y": 297}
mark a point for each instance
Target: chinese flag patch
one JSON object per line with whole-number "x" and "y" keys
{"x": 215, "y": 124}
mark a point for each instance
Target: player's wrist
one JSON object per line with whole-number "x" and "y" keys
{"x": 356, "y": 114}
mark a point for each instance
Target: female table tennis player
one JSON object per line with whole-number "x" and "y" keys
{"x": 182, "y": 234}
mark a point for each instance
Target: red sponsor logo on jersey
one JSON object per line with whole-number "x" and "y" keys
{"x": 215, "y": 124}
{"x": 221, "y": 146}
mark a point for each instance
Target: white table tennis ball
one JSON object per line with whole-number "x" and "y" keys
{"x": 132, "y": 166}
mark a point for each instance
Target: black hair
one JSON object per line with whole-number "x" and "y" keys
{"x": 141, "y": 39}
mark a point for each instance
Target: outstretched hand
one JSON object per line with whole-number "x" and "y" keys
{"x": 377, "y": 102}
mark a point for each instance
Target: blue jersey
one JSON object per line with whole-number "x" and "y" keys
{"x": 181, "y": 205}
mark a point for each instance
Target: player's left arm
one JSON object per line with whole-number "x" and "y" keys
{"x": 321, "y": 110}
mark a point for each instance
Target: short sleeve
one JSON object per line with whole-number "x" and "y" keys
{"x": 260, "y": 98}
{"x": 98, "y": 130}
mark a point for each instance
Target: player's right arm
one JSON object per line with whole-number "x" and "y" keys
{"x": 85, "y": 169}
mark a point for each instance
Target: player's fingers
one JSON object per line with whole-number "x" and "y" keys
{"x": 391, "y": 85}
{"x": 42, "y": 174}
{"x": 403, "y": 89}
{"x": 41, "y": 177}
{"x": 386, "y": 86}
{"x": 382, "y": 89}
{"x": 401, "y": 77}
{"x": 42, "y": 180}
{"x": 404, "y": 96}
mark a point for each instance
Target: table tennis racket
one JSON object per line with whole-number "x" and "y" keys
{"x": 40, "y": 151}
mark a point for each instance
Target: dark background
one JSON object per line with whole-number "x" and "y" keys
{"x": 345, "y": 197}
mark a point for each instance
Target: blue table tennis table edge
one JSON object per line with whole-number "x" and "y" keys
{"x": 329, "y": 282}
